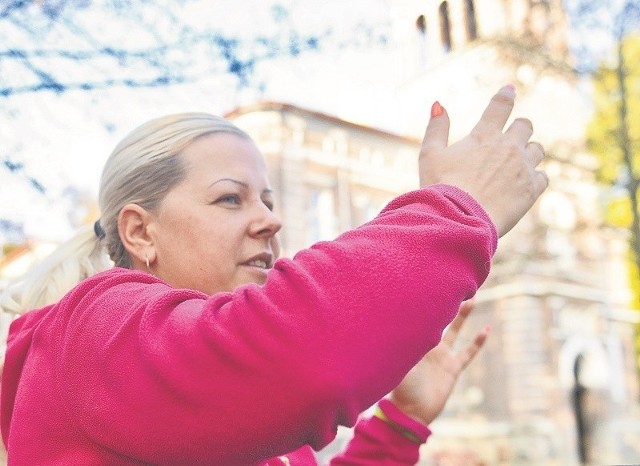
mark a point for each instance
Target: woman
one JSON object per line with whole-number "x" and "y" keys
{"x": 200, "y": 348}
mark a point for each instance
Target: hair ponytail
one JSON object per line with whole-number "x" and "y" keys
{"x": 74, "y": 260}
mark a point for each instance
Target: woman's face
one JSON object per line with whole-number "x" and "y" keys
{"x": 216, "y": 230}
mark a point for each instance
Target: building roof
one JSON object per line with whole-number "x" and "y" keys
{"x": 269, "y": 105}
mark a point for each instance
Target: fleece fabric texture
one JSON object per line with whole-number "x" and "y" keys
{"x": 127, "y": 370}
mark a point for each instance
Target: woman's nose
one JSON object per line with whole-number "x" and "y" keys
{"x": 266, "y": 223}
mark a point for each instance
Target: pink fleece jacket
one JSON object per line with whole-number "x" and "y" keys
{"x": 127, "y": 370}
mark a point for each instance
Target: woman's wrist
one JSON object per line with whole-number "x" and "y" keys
{"x": 399, "y": 421}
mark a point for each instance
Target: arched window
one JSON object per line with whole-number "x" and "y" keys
{"x": 421, "y": 25}
{"x": 470, "y": 20}
{"x": 445, "y": 26}
{"x": 421, "y": 28}
{"x": 584, "y": 410}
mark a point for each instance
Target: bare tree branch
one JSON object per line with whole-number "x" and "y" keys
{"x": 59, "y": 46}
{"x": 162, "y": 63}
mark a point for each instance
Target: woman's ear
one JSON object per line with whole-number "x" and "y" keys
{"x": 133, "y": 222}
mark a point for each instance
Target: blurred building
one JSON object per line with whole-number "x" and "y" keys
{"x": 556, "y": 384}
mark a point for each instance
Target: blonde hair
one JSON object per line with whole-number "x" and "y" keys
{"x": 142, "y": 169}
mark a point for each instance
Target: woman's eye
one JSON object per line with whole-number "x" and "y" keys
{"x": 229, "y": 199}
{"x": 269, "y": 205}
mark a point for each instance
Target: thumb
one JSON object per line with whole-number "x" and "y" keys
{"x": 436, "y": 136}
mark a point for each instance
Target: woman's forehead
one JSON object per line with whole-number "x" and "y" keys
{"x": 223, "y": 149}
{"x": 222, "y": 155}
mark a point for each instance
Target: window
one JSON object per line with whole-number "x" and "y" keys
{"x": 321, "y": 215}
{"x": 367, "y": 204}
{"x": 445, "y": 26}
{"x": 580, "y": 398}
{"x": 470, "y": 20}
{"x": 421, "y": 28}
{"x": 421, "y": 25}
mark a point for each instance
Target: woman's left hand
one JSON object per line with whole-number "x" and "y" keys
{"x": 424, "y": 391}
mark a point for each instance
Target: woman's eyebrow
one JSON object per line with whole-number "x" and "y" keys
{"x": 241, "y": 183}
{"x": 231, "y": 180}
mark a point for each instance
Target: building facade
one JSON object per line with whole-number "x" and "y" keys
{"x": 556, "y": 384}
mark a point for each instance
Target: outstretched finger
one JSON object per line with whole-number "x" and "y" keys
{"x": 436, "y": 136}
{"x": 497, "y": 113}
{"x": 468, "y": 353}
{"x": 521, "y": 129}
{"x": 534, "y": 153}
{"x": 540, "y": 182}
{"x": 456, "y": 324}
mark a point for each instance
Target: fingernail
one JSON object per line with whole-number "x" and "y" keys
{"x": 436, "y": 109}
{"x": 508, "y": 91}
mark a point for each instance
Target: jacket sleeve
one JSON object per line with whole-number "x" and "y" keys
{"x": 395, "y": 442}
{"x": 174, "y": 377}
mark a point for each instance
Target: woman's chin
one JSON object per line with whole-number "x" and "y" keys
{"x": 255, "y": 275}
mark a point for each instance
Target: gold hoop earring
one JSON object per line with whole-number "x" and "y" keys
{"x": 148, "y": 266}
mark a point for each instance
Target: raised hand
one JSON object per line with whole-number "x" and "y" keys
{"x": 497, "y": 168}
{"x": 423, "y": 392}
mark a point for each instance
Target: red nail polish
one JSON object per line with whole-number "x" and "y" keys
{"x": 436, "y": 109}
